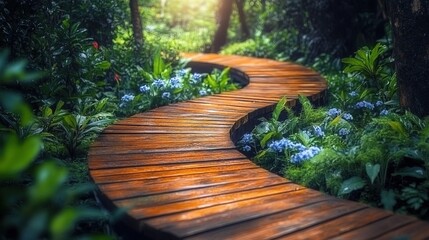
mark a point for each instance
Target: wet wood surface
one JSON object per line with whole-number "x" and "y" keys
{"x": 177, "y": 174}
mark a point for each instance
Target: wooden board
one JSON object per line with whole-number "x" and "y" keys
{"x": 178, "y": 175}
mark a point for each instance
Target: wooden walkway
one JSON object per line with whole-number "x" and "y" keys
{"x": 176, "y": 170}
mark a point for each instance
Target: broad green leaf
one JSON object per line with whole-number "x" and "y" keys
{"x": 416, "y": 172}
{"x": 388, "y": 199}
{"x": 17, "y": 156}
{"x": 104, "y": 65}
{"x": 351, "y": 184}
{"x": 372, "y": 171}
{"x": 279, "y": 108}
{"x": 63, "y": 222}
{"x": 397, "y": 127}
{"x": 158, "y": 65}
{"x": 335, "y": 121}
{"x": 267, "y": 138}
{"x": 49, "y": 178}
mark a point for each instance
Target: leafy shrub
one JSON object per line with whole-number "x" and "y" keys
{"x": 35, "y": 200}
{"x": 361, "y": 147}
{"x": 163, "y": 85}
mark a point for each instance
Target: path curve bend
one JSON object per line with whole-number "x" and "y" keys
{"x": 178, "y": 175}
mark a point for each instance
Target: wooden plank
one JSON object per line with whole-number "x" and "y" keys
{"x": 216, "y": 217}
{"x": 337, "y": 226}
{"x": 141, "y": 159}
{"x": 169, "y": 173}
{"x": 378, "y": 228}
{"x": 123, "y": 190}
{"x": 163, "y": 194}
{"x": 282, "y": 223}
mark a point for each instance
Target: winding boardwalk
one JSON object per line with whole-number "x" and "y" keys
{"x": 177, "y": 173}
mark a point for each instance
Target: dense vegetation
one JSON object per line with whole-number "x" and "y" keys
{"x": 70, "y": 68}
{"x": 361, "y": 146}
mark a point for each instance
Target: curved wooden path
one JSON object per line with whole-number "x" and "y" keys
{"x": 176, "y": 171}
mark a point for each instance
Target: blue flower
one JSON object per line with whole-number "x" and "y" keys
{"x": 247, "y": 148}
{"x": 305, "y": 155}
{"x": 127, "y": 98}
{"x": 166, "y": 95}
{"x": 196, "y": 78}
{"x": 379, "y": 103}
{"x": 181, "y": 73}
{"x": 144, "y": 89}
{"x": 283, "y": 144}
{"x": 347, "y": 116}
{"x": 344, "y": 132}
{"x": 175, "y": 82}
{"x": 203, "y": 92}
{"x": 333, "y": 112}
{"x": 384, "y": 112}
{"x": 353, "y": 94}
{"x": 318, "y": 131}
{"x": 365, "y": 104}
{"x": 247, "y": 138}
{"x": 158, "y": 83}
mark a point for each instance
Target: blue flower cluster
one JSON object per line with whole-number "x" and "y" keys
{"x": 247, "y": 139}
{"x": 203, "y": 92}
{"x": 333, "y": 112}
{"x": 166, "y": 95}
{"x": 283, "y": 144}
{"x": 353, "y": 94}
{"x": 365, "y": 104}
{"x": 127, "y": 98}
{"x": 144, "y": 89}
{"x": 379, "y": 103}
{"x": 196, "y": 78}
{"x": 305, "y": 154}
{"x": 344, "y": 132}
{"x": 247, "y": 148}
{"x": 181, "y": 73}
{"x": 175, "y": 82}
{"x": 159, "y": 83}
{"x": 347, "y": 116}
{"x": 318, "y": 131}
{"x": 384, "y": 112}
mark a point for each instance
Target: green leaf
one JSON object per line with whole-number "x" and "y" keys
{"x": 266, "y": 139}
{"x": 416, "y": 172}
{"x": 17, "y": 156}
{"x": 49, "y": 178}
{"x": 158, "y": 65}
{"x": 63, "y": 222}
{"x": 104, "y": 65}
{"x": 335, "y": 121}
{"x": 351, "y": 184}
{"x": 279, "y": 108}
{"x": 397, "y": 127}
{"x": 388, "y": 199}
{"x": 372, "y": 171}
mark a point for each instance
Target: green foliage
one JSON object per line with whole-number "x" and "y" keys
{"x": 35, "y": 200}
{"x": 361, "y": 147}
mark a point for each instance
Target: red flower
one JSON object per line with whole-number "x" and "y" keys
{"x": 117, "y": 78}
{"x": 95, "y": 44}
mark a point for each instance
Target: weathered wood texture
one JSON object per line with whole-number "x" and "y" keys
{"x": 176, "y": 170}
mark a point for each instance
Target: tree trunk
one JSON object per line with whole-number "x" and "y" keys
{"x": 410, "y": 25}
{"x": 137, "y": 23}
{"x": 242, "y": 17}
{"x": 223, "y": 17}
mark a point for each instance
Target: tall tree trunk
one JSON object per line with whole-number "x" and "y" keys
{"x": 242, "y": 17}
{"x": 223, "y": 17}
{"x": 137, "y": 23}
{"x": 410, "y": 24}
